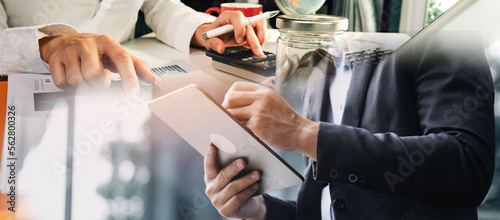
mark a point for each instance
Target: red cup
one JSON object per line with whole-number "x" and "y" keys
{"x": 248, "y": 9}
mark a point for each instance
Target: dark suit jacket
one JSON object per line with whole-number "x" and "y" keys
{"x": 416, "y": 140}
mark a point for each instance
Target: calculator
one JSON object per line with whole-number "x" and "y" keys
{"x": 240, "y": 61}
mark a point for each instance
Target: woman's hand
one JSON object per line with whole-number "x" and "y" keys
{"x": 254, "y": 35}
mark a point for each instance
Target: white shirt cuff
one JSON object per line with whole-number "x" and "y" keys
{"x": 56, "y": 29}
{"x": 51, "y": 30}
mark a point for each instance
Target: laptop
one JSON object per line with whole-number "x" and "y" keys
{"x": 472, "y": 16}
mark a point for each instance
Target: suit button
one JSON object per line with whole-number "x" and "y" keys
{"x": 334, "y": 173}
{"x": 353, "y": 178}
{"x": 342, "y": 175}
{"x": 339, "y": 205}
{"x": 362, "y": 179}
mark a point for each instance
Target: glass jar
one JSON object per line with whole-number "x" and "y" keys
{"x": 309, "y": 49}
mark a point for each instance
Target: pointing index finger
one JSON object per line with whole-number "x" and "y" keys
{"x": 123, "y": 62}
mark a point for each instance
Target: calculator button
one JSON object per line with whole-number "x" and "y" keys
{"x": 259, "y": 58}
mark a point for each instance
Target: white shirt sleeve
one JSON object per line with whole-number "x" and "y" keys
{"x": 3, "y": 18}
{"x": 19, "y": 51}
{"x": 173, "y": 22}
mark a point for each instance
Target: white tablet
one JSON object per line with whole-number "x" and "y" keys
{"x": 201, "y": 121}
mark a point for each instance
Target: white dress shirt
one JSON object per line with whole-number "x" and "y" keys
{"x": 339, "y": 85}
{"x": 23, "y": 22}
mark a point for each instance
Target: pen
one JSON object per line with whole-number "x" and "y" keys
{"x": 248, "y": 21}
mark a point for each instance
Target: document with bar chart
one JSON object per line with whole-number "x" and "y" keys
{"x": 175, "y": 74}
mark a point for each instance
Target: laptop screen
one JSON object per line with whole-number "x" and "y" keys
{"x": 480, "y": 16}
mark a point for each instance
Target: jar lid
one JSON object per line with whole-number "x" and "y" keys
{"x": 313, "y": 23}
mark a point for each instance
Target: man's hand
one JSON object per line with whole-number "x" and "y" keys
{"x": 271, "y": 119}
{"x": 254, "y": 35}
{"x": 232, "y": 197}
{"x": 75, "y": 59}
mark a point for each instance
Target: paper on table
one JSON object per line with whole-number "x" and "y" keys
{"x": 30, "y": 98}
{"x": 175, "y": 74}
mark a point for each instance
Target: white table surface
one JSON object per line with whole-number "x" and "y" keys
{"x": 155, "y": 52}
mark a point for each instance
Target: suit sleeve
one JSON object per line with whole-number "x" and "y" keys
{"x": 173, "y": 22}
{"x": 451, "y": 160}
{"x": 279, "y": 208}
